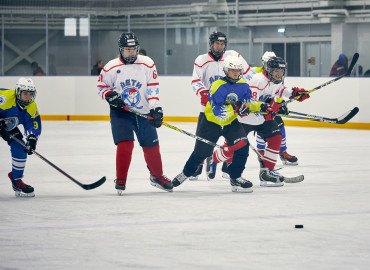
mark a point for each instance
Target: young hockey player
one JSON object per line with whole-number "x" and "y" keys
{"x": 265, "y": 87}
{"x": 227, "y": 99}
{"x": 131, "y": 80}
{"x": 209, "y": 68}
{"x": 18, "y": 107}
{"x": 286, "y": 158}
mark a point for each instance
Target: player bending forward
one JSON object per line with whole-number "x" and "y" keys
{"x": 265, "y": 86}
{"x": 131, "y": 81}
{"x": 18, "y": 107}
{"x": 227, "y": 99}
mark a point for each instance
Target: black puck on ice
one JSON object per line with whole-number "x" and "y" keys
{"x": 298, "y": 226}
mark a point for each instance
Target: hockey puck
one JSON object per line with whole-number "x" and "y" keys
{"x": 298, "y": 226}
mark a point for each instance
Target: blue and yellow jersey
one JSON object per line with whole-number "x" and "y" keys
{"x": 29, "y": 117}
{"x": 218, "y": 109}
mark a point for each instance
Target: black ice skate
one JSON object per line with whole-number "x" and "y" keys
{"x": 120, "y": 186}
{"x": 225, "y": 170}
{"x": 211, "y": 168}
{"x": 287, "y": 159}
{"x": 20, "y": 188}
{"x": 161, "y": 182}
{"x": 270, "y": 178}
{"x": 241, "y": 184}
{"x": 197, "y": 172}
{"x": 179, "y": 179}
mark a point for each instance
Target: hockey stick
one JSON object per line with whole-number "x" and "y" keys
{"x": 353, "y": 63}
{"x": 309, "y": 117}
{"x": 340, "y": 120}
{"x": 84, "y": 186}
{"x": 177, "y": 129}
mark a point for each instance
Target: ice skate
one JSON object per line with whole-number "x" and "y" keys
{"x": 211, "y": 168}
{"x": 120, "y": 185}
{"x": 225, "y": 170}
{"x": 270, "y": 178}
{"x": 21, "y": 189}
{"x": 161, "y": 182}
{"x": 287, "y": 159}
{"x": 240, "y": 184}
{"x": 179, "y": 179}
{"x": 197, "y": 173}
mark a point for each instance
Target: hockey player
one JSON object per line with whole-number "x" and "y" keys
{"x": 286, "y": 158}
{"x": 265, "y": 87}
{"x": 18, "y": 107}
{"x": 131, "y": 80}
{"x": 209, "y": 68}
{"x": 227, "y": 99}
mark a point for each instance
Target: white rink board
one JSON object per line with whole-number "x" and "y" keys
{"x": 78, "y": 96}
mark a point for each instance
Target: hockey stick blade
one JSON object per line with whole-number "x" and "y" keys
{"x": 353, "y": 63}
{"x": 296, "y": 179}
{"x": 348, "y": 116}
{"x": 84, "y": 186}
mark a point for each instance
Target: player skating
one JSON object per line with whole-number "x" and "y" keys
{"x": 227, "y": 99}
{"x": 285, "y": 157}
{"x": 131, "y": 80}
{"x": 18, "y": 107}
{"x": 209, "y": 68}
{"x": 265, "y": 87}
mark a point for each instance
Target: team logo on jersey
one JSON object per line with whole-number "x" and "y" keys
{"x": 2, "y": 100}
{"x": 231, "y": 99}
{"x": 131, "y": 97}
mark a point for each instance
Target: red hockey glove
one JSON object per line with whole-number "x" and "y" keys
{"x": 241, "y": 109}
{"x": 204, "y": 97}
{"x": 299, "y": 92}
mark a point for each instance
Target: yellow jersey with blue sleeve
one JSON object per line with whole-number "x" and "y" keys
{"x": 29, "y": 117}
{"x": 222, "y": 95}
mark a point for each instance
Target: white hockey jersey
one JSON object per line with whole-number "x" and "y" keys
{"x": 207, "y": 70}
{"x": 137, "y": 83}
{"x": 263, "y": 88}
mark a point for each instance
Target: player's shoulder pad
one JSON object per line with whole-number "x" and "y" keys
{"x": 32, "y": 109}
{"x": 145, "y": 60}
{"x": 216, "y": 84}
{"x": 242, "y": 81}
{"x": 112, "y": 64}
{"x": 202, "y": 59}
{"x": 7, "y": 96}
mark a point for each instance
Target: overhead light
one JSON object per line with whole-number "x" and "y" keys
{"x": 281, "y": 30}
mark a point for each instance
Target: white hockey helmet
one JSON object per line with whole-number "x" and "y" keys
{"x": 266, "y": 56}
{"x": 232, "y": 62}
{"x": 25, "y": 84}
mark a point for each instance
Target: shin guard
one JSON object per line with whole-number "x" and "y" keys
{"x": 153, "y": 160}
{"x": 123, "y": 158}
{"x": 272, "y": 152}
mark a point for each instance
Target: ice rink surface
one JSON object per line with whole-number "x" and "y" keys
{"x": 202, "y": 224}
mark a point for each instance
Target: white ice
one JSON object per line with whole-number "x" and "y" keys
{"x": 202, "y": 224}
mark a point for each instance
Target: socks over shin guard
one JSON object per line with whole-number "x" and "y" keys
{"x": 271, "y": 152}
{"x": 153, "y": 160}
{"x": 123, "y": 158}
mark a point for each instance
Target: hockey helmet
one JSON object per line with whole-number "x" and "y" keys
{"x": 266, "y": 56}
{"x": 27, "y": 85}
{"x": 128, "y": 40}
{"x": 275, "y": 63}
{"x": 217, "y": 36}
{"x": 232, "y": 62}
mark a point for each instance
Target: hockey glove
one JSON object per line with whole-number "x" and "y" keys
{"x": 3, "y": 132}
{"x": 204, "y": 97}
{"x": 283, "y": 109}
{"x": 270, "y": 110}
{"x": 114, "y": 99}
{"x": 299, "y": 92}
{"x": 241, "y": 109}
{"x": 157, "y": 115}
{"x": 30, "y": 144}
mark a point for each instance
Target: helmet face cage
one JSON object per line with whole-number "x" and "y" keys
{"x": 25, "y": 85}
{"x": 275, "y": 63}
{"x": 128, "y": 40}
{"x": 217, "y": 36}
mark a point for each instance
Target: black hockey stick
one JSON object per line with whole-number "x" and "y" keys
{"x": 177, "y": 129}
{"x": 340, "y": 120}
{"x": 353, "y": 63}
{"x": 84, "y": 186}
